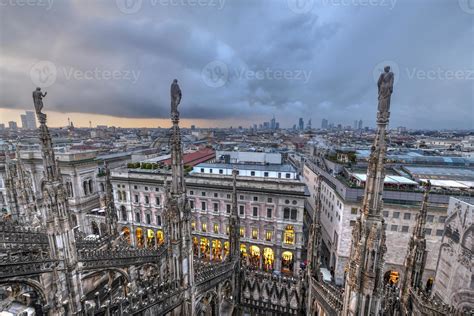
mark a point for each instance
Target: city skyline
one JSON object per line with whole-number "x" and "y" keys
{"x": 228, "y": 80}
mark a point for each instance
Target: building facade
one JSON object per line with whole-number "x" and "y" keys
{"x": 271, "y": 211}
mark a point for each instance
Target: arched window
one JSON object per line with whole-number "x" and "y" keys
{"x": 74, "y": 220}
{"x": 84, "y": 186}
{"x": 95, "y": 228}
{"x": 123, "y": 210}
{"x": 289, "y": 235}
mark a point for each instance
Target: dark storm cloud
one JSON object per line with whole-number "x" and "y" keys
{"x": 248, "y": 60}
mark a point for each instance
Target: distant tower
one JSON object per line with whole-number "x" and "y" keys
{"x": 301, "y": 124}
{"x": 65, "y": 283}
{"x": 415, "y": 259}
{"x": 360, "y": 124}
{"x": 178, "y": 214}
{"x": 363, "y": 289}
{"x": 324, "y": 124}
{"x": 309, "y": 124}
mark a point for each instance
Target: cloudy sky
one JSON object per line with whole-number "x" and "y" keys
{"x": 238, "y": 61}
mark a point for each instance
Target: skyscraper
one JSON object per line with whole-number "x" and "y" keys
{"x": 12, "y": 125}
{"x": 28, "y": 120}
{"x": 324, "y": 124}
{"x": 360, "y": 124}
{"x": 24, "y": 123}
{"x": 273, "y": 123}
{"x": 356, "y": 124}
{"x": 301, "y": 124}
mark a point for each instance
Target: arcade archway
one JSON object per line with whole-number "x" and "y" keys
{"x": 254, "y": 258}
{"x": 268, "y": 259}
{"x": 287, "y": 262}
{"x": 216, "y": 250}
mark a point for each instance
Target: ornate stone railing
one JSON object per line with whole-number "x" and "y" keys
{"x": 11, "y": 234}
{"x": 329, "y": 296}
{"x": 93, "y": 259}
{"x": 426, "y": 305}
{"x": 263, "y": 292}
{"x": 151, "y": 300}
{"x": 83, "y": 243}
{"x": 212, "y": 273}
{"x": 26, "y": 263}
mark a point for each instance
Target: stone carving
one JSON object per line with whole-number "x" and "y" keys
{"x": 175, "y": 98}
{"x": 38, "y": 102}
{"x": 385, "y": 87}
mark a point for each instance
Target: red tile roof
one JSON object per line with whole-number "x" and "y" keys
{"x": 197, "y": 157}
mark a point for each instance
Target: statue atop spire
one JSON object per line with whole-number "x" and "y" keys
{"x": 176, "y": 95}
{"x": 363, "y": 292}
{"x": 385, "y": 87}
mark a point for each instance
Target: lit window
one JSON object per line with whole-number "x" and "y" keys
{"x": 242, "y": 232}
{"x": 227, "y": 230}
{"x": 193, "y": 225}
{"x": 289, "y": 235}
{"x": 268, "y": 235}
{"x": 254, "y": 233}
{"x": 216, "y": 228}
{"x": 204, "y": 227}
